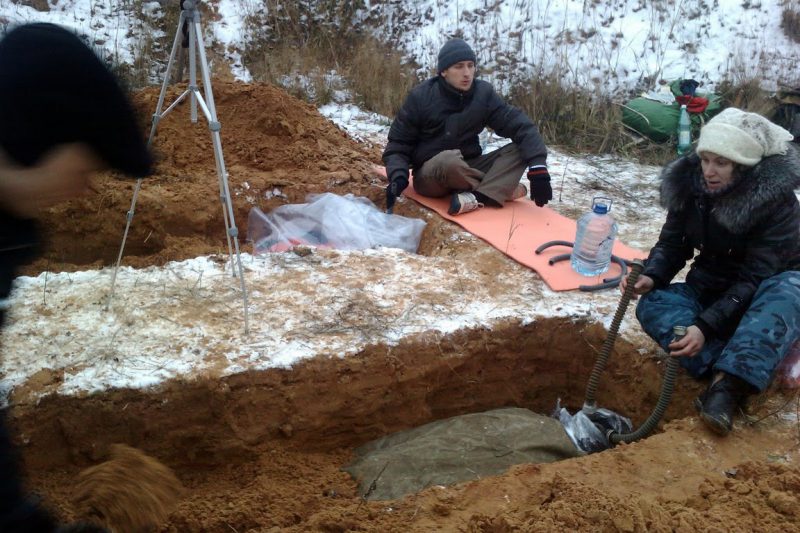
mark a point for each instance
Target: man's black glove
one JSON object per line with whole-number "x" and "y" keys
{"x": 541, "y": 192}
{"x": 396, "y": 186}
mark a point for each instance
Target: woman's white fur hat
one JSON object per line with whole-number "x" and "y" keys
{"x": 742, "y": 137}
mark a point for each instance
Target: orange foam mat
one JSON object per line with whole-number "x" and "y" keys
{"x": 519, "y": 228}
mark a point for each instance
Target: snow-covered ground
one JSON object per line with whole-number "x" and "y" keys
{"x": 186, "y": 319}
{"x": 608, "y": 45}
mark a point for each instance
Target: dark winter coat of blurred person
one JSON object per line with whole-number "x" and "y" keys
{"x": 732, "y": 210}
{"x": 63, "y": 116}
{"x": 436, "y": 133}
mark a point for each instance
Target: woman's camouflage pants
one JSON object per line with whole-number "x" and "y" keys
{"x": 764, "y": 336}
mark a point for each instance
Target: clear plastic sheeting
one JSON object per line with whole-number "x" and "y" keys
{"x": 588, "y": 432}
{"x": 328, "y": 220}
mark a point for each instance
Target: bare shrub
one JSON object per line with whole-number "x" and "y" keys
{"x": 746, "y": 94}
{"x": 38, "y": 5}
{"x": 379, "y": 76}
{"x": 570, "y": 115}
{"x": 790, "y": 22}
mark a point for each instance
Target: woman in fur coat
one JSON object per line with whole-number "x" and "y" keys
{"x": 732, "y": 210}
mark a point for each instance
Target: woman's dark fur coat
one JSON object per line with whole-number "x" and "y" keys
{"x": 749, "y": 233}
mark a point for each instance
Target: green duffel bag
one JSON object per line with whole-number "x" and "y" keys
{"x": 659, "y": 121}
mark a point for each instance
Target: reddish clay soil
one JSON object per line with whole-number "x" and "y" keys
{"x": 263, "y": 451}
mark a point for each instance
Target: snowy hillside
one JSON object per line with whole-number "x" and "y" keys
{"x": 610, "y": 45}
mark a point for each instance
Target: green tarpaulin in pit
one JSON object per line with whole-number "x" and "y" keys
{"x": 458, "y": 449}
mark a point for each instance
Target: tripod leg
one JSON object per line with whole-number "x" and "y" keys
{"x": 182, "y": 51}
{"x": 232, "y": 232}
{"x": 156, "y": 118}
{"x": 195, "y": 41}
{"x": 181, "y": 60}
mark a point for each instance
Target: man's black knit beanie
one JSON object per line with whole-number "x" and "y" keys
{"x": 454, "y": 51}
{"x": 55, "y": 90}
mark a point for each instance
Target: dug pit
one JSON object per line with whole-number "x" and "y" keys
{"x": 277, "y": 439}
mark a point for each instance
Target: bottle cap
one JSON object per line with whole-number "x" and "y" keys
{"x": 679, "y": 331}
{"x": 601, "y": 205}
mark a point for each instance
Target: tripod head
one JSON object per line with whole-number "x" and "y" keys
{"x": 191, "y": 7}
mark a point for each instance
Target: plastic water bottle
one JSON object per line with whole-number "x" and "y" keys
{"x": 684, "y": 131}
{"x": 594, "y": 238}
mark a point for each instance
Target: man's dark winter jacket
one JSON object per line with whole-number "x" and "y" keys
{"x": 436, "y": 117}
{"x": 744, "y": 236}
{"x": 19, "y": 243}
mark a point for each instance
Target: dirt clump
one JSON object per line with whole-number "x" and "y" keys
{"x": 129, "y": 492}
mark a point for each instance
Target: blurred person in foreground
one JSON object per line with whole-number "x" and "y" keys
{"x": 436, "y": 131}
{"x": 733, "y": 203}
{"x": 63, "y": 116}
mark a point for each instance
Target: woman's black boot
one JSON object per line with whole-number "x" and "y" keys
{"x": 720, "y": 401}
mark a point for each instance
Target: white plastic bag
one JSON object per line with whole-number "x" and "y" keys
{"x": 331, "y": 221}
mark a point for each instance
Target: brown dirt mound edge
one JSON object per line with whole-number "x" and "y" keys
{"x": 276, "y": 148}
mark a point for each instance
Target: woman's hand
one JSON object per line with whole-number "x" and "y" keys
{"x": 690, "y": 345}
{"x": 643, "y": 285}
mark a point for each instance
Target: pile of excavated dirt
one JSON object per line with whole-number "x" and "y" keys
{"x": 276, "y": 150}
{"x": 262, "y": 451}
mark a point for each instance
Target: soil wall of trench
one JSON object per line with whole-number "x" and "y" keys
{"x": 263, "y": 451}
{"x": 331, "y": 403}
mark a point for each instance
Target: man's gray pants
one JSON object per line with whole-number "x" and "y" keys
{"x": 494, "y": 175}
{"x": 764, "y": 336}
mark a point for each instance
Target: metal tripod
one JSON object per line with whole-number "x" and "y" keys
{"x": 190, "y": 18}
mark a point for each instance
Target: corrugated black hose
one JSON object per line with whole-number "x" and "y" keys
{"x": 667, "y": 386}
{"x": 670, "y": 373}
{"x": 589, "y": 404}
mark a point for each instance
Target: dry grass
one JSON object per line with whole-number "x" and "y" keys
{"x": 577, "y": 119}
{"x": 379, "y": 76}
{"x": 747, "y": 94}
{"x": 304, "y": 75}
{"x": 298, "y": 45}
{"x": 151, "y": 53}
{"x": 38, "y": 5}
{"x": 569, "y": 115}
{"x": 314, "y": 48}
{"x": 790, "y": 22}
